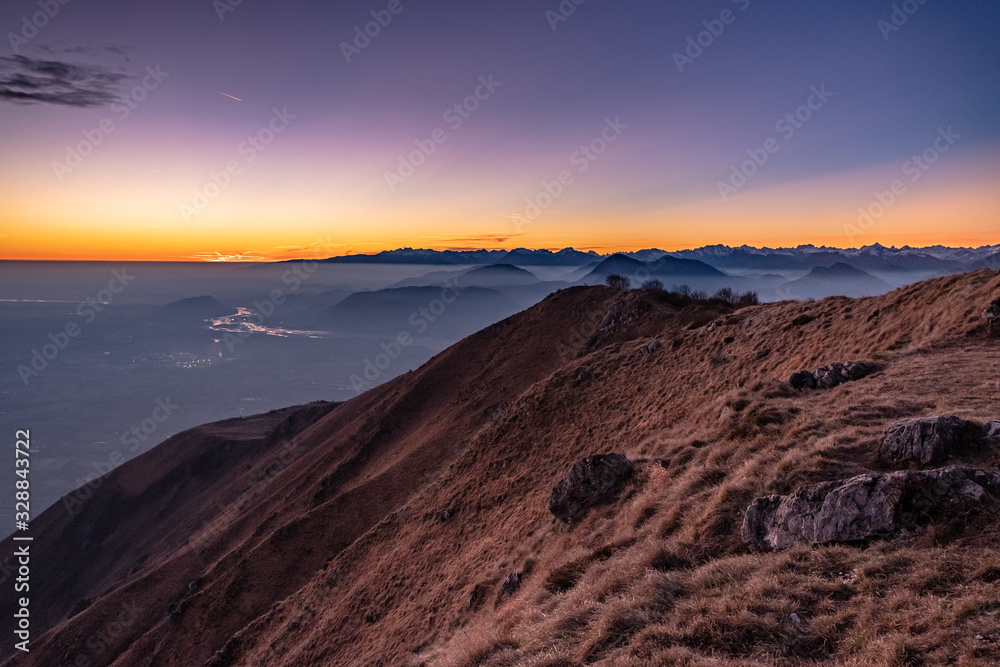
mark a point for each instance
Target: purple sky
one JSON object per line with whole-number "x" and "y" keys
{"x": 690, "y": 121}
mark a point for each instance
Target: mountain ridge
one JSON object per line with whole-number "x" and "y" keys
{"x": 387, "y": 535}
{"x": 803, "y": 257}
{"x": 959, "y": 256}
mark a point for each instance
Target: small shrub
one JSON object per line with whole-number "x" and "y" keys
{"x": 615, "y": 281}
{"x": 726, "y": 294}
{"x": 675, "y": 299}
{"x": 653, "y": 285}
{"x": 734, "y": 298}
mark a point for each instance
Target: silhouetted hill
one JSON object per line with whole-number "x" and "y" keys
{"x": 615, "y": 265}
{"x": 437, "y": 310}
{"x": 498, "y": 274}
{"x": 838, "y": 271}
{"x": 638, "y": 271}
{"x": 492, "y": 275}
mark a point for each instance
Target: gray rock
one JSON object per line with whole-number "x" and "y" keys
{"x": 865, "y": 507}
{"x": 836, "y": 374}
{"x": 991, "y": 434}
{"x": 992, "y": 315}
{"x": 927, "y": 440}
{"x": 833, "y": 375}
{"x": 592, "y": 481}
{"x": 829, "y": 377}
{"x": 856, "y": 370}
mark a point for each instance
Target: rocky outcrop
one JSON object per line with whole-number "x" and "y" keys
{"x": 592, "y": 481}
{"x": 866, "y": 506}
{"x": 927, "y": 440}
{"x": 833, "y": 375}
{"x": 992, "y": 315}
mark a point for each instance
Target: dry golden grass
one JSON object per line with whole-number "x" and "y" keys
{"x": 660, "y": 577}
{"x": 682, "y": 590}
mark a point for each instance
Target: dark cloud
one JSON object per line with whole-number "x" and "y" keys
{"x": 25, "y": 80}
{"x": 61, "y": 48}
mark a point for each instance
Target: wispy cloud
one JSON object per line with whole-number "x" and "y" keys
{"x": 25, "y": 80}
{"x": 471, "y": 242}
{"x": 249, "y": 256}
{"x": 59, "y": 49}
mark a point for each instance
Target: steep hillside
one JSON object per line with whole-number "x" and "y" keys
{"x": 381, "y": 531}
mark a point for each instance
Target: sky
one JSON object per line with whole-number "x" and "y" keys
{"x": 239, "y": 129}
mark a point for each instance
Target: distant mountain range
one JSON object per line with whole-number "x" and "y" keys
{"x": 499, "y": 282}
{"x": 936, "y": 260}
{"x": 932, "y": 260}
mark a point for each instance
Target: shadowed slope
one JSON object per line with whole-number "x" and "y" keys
{"x": 259, "y": 526}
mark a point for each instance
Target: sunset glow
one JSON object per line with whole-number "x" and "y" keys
{"x": 219, "y": 149}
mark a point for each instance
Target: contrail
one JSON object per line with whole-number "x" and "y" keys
{"x": 230, "y": 96}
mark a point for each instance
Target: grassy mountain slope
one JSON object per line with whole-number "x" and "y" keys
{"x": 384, "y": 539}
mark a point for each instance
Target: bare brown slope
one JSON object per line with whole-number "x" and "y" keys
{"x": 401, "y": 507}
{"x": 258, "y": 532}
{"x": 662, "y": 577}
{"x": 99, "y": 537}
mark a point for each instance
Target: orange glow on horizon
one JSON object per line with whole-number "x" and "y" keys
{"x": 968, "y": 239}
{"x": 103, "y": 218}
